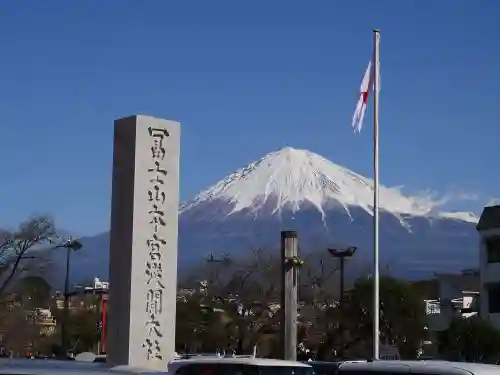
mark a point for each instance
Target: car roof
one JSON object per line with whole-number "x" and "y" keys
{"x": 331, "y": 363}
{"x": 50, "y": 367}
{"x": 251, "y": 361}
{"x": 323, "y": 362}
{"x": 422, "y": 366}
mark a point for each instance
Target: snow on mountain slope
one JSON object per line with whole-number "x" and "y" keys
{"x": 293, "y": 177}
{"x": 463, "y": 216}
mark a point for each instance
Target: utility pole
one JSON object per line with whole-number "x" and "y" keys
{"x": 290, "y": 264}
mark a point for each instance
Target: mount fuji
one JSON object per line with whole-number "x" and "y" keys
{"x": 327, "y": 204}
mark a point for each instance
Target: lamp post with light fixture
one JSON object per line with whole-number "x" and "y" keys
{"x": 70, "y": 244}
{"x": 342, "y": 254}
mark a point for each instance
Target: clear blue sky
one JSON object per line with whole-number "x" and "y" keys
{"x": 244, "y": 78}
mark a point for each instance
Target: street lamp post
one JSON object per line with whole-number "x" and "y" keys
{"x": 342, "y": 254}
{"x": 75, "y": 245}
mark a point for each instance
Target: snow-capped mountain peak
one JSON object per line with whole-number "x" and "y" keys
{"x": 292, "y": 177}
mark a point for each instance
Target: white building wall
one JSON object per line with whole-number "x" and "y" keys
{"x": 489, "y": 273}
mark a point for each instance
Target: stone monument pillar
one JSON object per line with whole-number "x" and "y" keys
{"x": 143, "y": 242}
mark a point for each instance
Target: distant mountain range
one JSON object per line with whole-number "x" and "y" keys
{"x": 327, "y": 204}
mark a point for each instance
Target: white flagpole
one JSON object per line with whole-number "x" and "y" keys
{"x": 376, "y": 302}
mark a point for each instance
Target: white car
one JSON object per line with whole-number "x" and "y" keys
{"x": 416, "y": 368}
{"x": 214, "y": 365}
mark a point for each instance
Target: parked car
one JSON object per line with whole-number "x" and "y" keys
{"x": 237, "y": 365}
{"x": 416, "y": 367}
{"x": 323, "y": 367}
{"x": 327, "y": 368}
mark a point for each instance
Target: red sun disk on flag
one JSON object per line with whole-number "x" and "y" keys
{"x": 365, "y": 97}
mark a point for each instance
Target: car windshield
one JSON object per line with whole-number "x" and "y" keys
{"x": 324, "y": 369}
{"x": 282, "y": 370}
{"x": 241, "y": 369}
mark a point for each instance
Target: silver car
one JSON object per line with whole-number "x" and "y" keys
{"x": 416, "y": 367}
{"x": 238, "y": 365}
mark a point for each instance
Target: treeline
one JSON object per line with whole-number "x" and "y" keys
{"x": 234, "y": 305}
{"x": 30, "y": 318}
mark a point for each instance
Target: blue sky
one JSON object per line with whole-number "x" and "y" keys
{"x": 244, "y": 78}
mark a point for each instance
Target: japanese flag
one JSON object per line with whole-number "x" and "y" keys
{"x": 366, "y": 87}
{"x": 364, "y": 91}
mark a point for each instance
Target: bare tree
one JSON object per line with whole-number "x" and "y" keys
{"x": 319, "y": 280}
{"x": 253, "y": 300}
{"x": 18, "y": 248}
{"x": 239, "y": 299}
{"x": 319, "y": 296}
{"x": 245, "y": 294}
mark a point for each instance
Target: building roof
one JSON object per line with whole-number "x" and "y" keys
{"x": 470, "y": 283}
{"x": 490, "y": 218}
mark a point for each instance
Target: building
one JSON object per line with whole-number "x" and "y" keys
{"x": 44, "y": 321}
{"x": 458, "y": 297}
{"x": 77, "y": 302}
{"x": 100, "y": 285}
{"x": 489, "y": 261}
{"x": 83, "y": 297}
